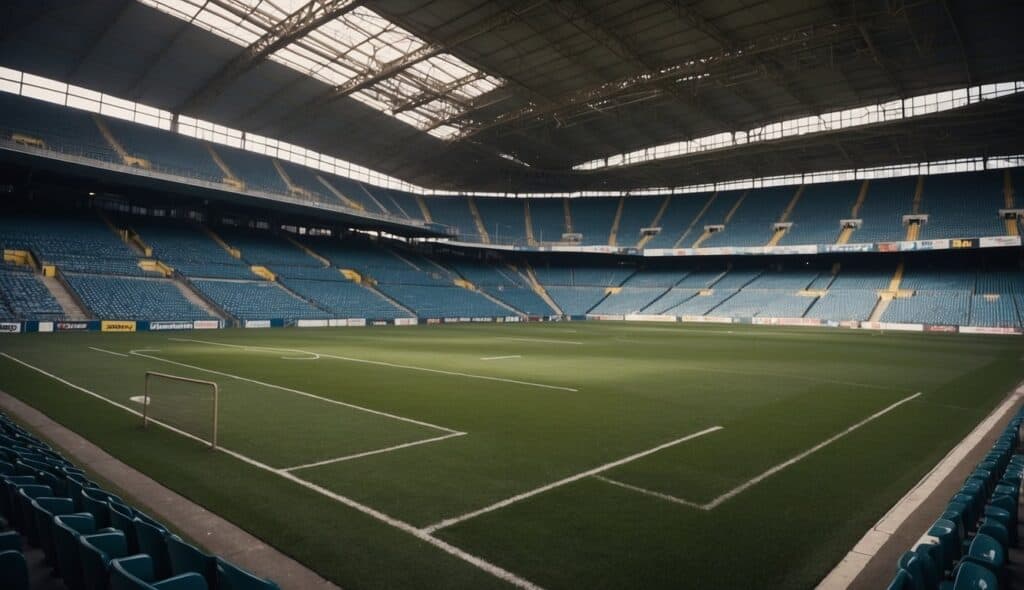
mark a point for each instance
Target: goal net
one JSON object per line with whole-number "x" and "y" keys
{"x": 190, "y": 405}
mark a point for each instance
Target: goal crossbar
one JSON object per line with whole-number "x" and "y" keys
{"x": 150, "y": 375}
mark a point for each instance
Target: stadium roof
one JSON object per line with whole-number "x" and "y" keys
{"x": 512, "y": 95}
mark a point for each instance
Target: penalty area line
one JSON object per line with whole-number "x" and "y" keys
{"x": 478, "y": 562}
{"x": 766, "y": 474}
{"x": 572, "y": 478}
{"x": 500, "y": 358}
{"x": 108, "y": 351}
{"x": 373, "y": 452}
{"x": 394, "y": 365}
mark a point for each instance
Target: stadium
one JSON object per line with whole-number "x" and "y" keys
{"x": 319, "y": 294}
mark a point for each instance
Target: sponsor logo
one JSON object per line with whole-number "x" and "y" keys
{"x": 998, "y": 241}
{"x": 206, "y": 324}
{"x": 482, "y": 320}
{"x": 706, "y": 319}
{"x": 170, "y": 325}
{"x": 379, "y": 323}
{"x": 45, "y": 326}
{"x": 257, "y": 323}
{"x": 406, "y": 321}
{"x": 889, "y": 247}
{"x": 67, "y": 326}
{"x": 10, "y": 328}
{"x": 312, "y": 323}
{"x": 961, "y": 243}
{"x": 646, "y": 317}
{"x": 433, "y": 321}
{"x": 357, "y": 322}
{"x": 987, "y": 330}
{"x": 945, "y": 329}
{"x": 117, "y": 326}
{"x": 849, "y": 324}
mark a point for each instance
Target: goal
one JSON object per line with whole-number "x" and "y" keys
{"x": 186, "y": 404}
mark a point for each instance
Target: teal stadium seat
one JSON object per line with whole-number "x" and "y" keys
{"x": 230, "y": 577}
{"x": 136, "y": 573}
{"x": 96, "y": 552}
{"x": 13, "y": 571}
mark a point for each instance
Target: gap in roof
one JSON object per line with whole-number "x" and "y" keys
{"x": 425, "y": 95}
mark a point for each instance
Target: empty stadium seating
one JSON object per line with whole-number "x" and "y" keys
{"x": 968, "y": 546}
{"x": 637, "y": 213}
{"x": 751, "y": 223}
{"x": 253, "y": 300}
{"x": 548, "y": 217}
{"x": 255, "y": 170}
{"x": 166, "y": 152}
{"x": 344, "y": 299}
{"x": 816, "y": 216}
{"x": 887, "y": 201}
{"x": 440, "y": 301}
{"x": 122, "y": 298}
{"x": 844, "y": 304}
{"x": 454, "y": 212}
{"x": 83, "y": 537}
{"x": 963, "y": 205}
{"x": 593, "y": 218}
{"x": 504, "y": 220}
{"x": 23, "y": 296}
{"x": 675, "y": 224}
{"x": 189, "y": 250}
{"x": 74, "y": 243}
{"x": 957, "y": 205}
{"x": 65, "y": 130}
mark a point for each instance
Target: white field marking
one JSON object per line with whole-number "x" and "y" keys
{"x": 753, "y": 482}
{"x": 500, "y": 358}
{"x": 646, "y": 492}
{"x": 770, "y": 472}
{"x": 108, "y": 351}
{"x": 401, "y": 525}
{"x": 139, "y": 399}
{"x": 544, "y": 340}
{"x": 310, "y": 356}
{"x": 295, "y": 391}
{"x": 397, "y": 366}
{"x": 599, "y": 469}
{"x": 857, "y": 559}
{"x": 374, "y": 452}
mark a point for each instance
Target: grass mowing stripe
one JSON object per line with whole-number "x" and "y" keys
{"x": 484, "y": 565}
{"x": 374, "y": 452}
{"x": 139, "y": 352}
{"x": 520, "y": 497}
{"x": 399, "y": 366}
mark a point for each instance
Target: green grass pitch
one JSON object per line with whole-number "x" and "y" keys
{"x": 568, "y": 455}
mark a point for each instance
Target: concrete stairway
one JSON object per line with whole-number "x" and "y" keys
{"x": 72, "y": 309}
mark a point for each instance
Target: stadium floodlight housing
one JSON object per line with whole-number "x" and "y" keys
{"x": 181, "y": 408}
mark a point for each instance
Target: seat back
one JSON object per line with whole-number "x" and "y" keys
{"x": 188, "y": 558}
{"x": 44, "y": 510}
{"x": 122, "y": 518}
{"x": 131, "y": 573}
{"x": 231, "y": 577}
{"x": 971, "y": 576}
{"x": 13, "y": 571}
{"x": 152, "y": 541}
{"x": 66, "y": 530}
{"x": 96, "y": 552}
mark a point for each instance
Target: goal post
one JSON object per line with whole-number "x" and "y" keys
{"x": 186, "y": 404}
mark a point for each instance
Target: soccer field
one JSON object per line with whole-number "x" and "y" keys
{"x": 562, "y": 455}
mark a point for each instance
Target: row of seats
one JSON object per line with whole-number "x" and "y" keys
{"x": 90, "y": 538}
{"x": 966, "y": 548}
{"x": 124, "y": 298}
{"x": 23, "y": 296}
{"x": 958, "y": 205}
